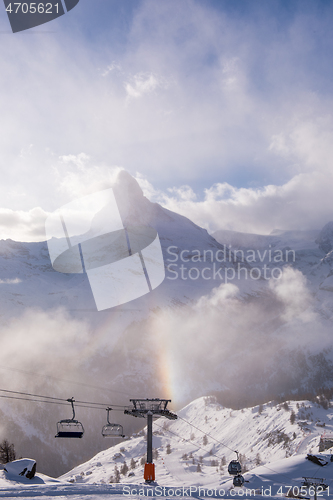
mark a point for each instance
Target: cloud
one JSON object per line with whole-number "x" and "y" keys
{"x": 239, "y": 342}
{"x": 20, "y": 225}
{"x": 232, "y": 115}
{"x": 36, "y": 339}
{"x": 78, "y": 176}
{"x": 74, "y": 176}
{"x": 141, "y": 84}
{"x": 292, "y": 291}
{"x": 304, "y": 202}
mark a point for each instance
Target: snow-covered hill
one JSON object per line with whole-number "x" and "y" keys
{"x": 283, "y": 478}
{"x": 196, "y": 448}
{"x": 191, "y": 456}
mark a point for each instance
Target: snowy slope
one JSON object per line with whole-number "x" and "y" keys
{"x": 206, "y": 433}
{"x": 266, "y": 431}
{"x": 275, "y": 481}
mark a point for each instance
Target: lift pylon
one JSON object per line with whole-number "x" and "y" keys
{"x": 150, "y": 408}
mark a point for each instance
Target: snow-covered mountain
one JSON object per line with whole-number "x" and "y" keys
{"x": 273, "y": 441}
{"x": 28, "y": 279}
{"x": 196, "y": 448}
{"x": 217, "y": 323}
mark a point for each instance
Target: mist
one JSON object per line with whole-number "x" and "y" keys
{"x": 257, "y": 347}
{"x": 53, "y": 354}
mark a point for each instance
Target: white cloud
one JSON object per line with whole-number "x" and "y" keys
{"x": 201, "y": 98}
{"x": 142, "y": 83}
{"x": 37, "y": 338}
{"x": 226, "y": 337}
{"x": 113, "y": 67}
{"x": 77, "y": 176}
{"x": 22, "y": 225}
{"x": 291, "y": 289}
{"x": 79, "y": 160}
{"x": 219, "y": 297}
{"x": 304, "y": 202}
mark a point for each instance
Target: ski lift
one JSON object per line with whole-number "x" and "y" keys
{"x": 70, "y": 428}
{"x": 238, "y": 481}
{"x": 112, "y": 430}
{"x": 235, "y": 468}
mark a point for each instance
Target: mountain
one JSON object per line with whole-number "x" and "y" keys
{"x": 206, "y": 433}
{"x": 274, "y": 441}
{"x": 246, "y": 317}
{"x": 28, "y": 279}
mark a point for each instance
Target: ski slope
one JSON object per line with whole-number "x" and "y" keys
{"x": 274, "y": 480}
{"x": 205, "y": 434}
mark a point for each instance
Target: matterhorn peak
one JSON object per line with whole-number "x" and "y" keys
{"x": 133, "y": 206}
{"x": 127, "y": 186}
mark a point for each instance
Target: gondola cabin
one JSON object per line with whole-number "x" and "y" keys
{"x": 238, "y": 481}
{"x": 234, "y": 468}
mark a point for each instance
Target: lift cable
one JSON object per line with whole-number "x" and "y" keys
{"x": 188, "y": 441}
{"x": 203, "y": 432}
{"x": 33, "y": 395}
{"x": 272, "y": 470}
{"x": 33, "y": 400}
{"x": 54, "y": 399}
{"x": 217, "y": 456}
{"x": 47, "y": 401}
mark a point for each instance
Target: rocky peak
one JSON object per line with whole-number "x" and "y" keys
{"x": 133, "y": 206}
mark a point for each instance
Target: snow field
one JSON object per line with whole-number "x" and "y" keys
{"x": 192, "y": 453}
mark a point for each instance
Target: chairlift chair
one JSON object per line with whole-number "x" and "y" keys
{"x": 70, "y": 428}
{"x": 238, "y": 481}
{"x": 111, "y": 430}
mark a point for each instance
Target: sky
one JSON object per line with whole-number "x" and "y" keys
{"x": 222, "y": 109}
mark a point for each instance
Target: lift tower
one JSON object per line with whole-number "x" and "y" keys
{"x": 150, "y": 408}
